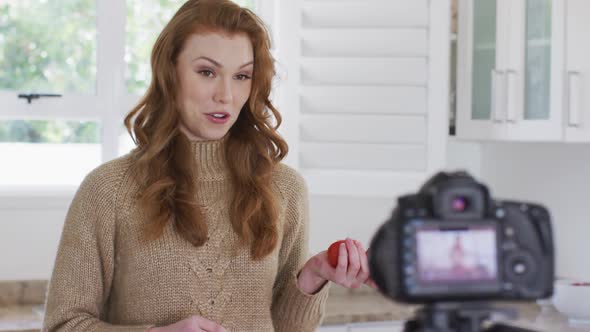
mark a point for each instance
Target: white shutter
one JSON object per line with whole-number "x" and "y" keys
{"x": 364, "y": 96}
{"x": 365, "y": 92}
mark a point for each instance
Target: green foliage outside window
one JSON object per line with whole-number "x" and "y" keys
{"x": 48, "y": 46}
{"x": 40, "y": 131}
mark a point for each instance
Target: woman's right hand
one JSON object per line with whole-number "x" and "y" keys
{"x": 191, "y": 324}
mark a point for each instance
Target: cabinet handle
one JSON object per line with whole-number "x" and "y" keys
{"x": 498, "y": 95}
{"x": 511, "y": 76}
{"x": 573, "y": 119}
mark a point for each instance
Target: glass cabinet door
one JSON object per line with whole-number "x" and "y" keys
{"x": 484, "y": 58}
{"x": 537, "y": 60}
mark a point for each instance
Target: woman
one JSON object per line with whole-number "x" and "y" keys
{"x": 200, "y": 227}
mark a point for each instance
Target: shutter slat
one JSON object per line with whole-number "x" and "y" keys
{"x": 359, "y": 71}
{"x": 364, "y": 100}
{"x": 364, "y": 43}
{"x": 394, "y": 13}
{"x": 363, "y": 156}
{"x": 362, "y": 183}
{"x": 363, "y": 129}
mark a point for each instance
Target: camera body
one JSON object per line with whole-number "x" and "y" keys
{"x": 452, "y": 242}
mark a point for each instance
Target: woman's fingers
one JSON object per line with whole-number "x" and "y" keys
{"x": 352, "y": 269}
{"x": 364, "y": 270}
{"x": 342, "y": 266}
{"x": 203, "y": 324}
{"x": 354, "y": 264}
{"x": 371, "y": 283}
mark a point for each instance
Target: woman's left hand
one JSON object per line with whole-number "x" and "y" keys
{"x": 352, "y": 270}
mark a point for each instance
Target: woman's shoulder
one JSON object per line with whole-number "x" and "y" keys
{"x": 289, "y": 181}
{"x": 105, "y": 178}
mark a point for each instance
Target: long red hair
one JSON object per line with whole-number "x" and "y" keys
{"x": 164, "y": 163}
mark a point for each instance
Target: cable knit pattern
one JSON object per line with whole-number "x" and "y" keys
{"x": 108, "y": 278}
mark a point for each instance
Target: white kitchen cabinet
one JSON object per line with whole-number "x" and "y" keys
{"x": 388, "y": 326}
{"x": 332, "y": 328}
{"x": 394, "y": 326}
{"x": 577, "y": 81}
{"x": 510, "y": 60}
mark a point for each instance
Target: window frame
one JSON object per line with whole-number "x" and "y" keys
{"x": 109, "y": 105}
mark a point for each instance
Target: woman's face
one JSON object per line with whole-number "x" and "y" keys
{"x": 215, "y": 75}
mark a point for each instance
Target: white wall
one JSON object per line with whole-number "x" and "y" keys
{"x": 556, "y": 175}
{"x": 28, "y": 242}
{"x": 464, "y": 155}
{"x": 334, "y": 218}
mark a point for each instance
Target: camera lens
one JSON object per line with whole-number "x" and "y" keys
{"x": 459, "y": 204}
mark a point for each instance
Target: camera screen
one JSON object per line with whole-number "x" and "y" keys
{"x": 456, "y": 255}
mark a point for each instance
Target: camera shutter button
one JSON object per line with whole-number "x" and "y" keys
{"x": 519, "y": 268}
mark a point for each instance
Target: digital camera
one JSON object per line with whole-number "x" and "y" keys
{"x": 452, "y": 242}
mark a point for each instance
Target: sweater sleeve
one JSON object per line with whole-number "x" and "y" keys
{"x": 293, "y": 310}
{"x": 83, "y": 269}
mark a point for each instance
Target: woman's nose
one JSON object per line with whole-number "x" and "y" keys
{"x": 223, "y": 94}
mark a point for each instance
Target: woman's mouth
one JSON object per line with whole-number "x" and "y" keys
{"x": 218, "y": 117}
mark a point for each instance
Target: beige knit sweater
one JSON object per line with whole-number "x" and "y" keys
{"x": 107, "y": 278}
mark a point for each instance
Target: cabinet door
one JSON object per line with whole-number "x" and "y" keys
{"x": 510, "y": 61}
{"x": 577, "y": 92}
{"x": 332, "y": 328}
{"x": 394, "y": 326}
{"x": 533, "y": 72}
{"x": 480, "y": 77}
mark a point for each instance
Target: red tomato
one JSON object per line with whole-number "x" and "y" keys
{"x": 333, "y": 252}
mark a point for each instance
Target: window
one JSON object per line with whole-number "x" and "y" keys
{"x": 145, "y": 19}
{"x": 52, "y": 48}
{"x": 38, "y": 147}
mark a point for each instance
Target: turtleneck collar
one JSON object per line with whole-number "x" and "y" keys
{"x": 210, "y": 159}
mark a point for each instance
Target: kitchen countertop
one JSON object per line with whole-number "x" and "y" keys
{"x": 22, "y": 318}
{"x": 343, "y": 307}
{"x": 357, "y": 308}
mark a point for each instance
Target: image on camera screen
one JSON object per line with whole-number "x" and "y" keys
{"x": 458, "y": 255}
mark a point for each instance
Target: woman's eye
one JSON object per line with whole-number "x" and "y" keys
{"x": 242, "y": 77}
{"x": 206, "y": 73}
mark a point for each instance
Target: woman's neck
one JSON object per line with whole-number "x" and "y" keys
{"x": 210, "y": 159}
